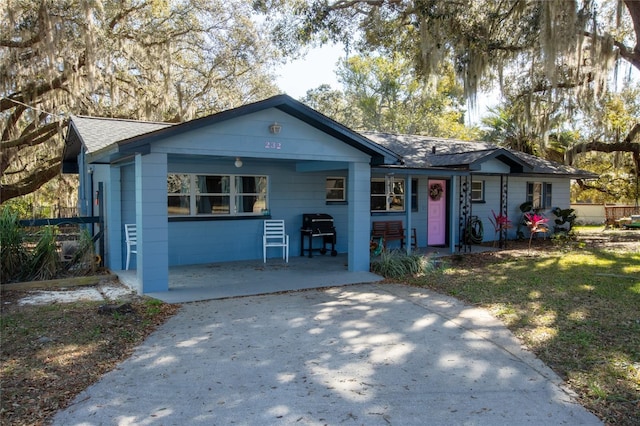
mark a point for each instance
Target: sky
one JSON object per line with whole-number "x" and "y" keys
{"x": 318, "y": 67}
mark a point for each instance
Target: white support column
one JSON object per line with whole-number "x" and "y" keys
{"x": 358, "y": 189}
{"x": 151, "y": 222}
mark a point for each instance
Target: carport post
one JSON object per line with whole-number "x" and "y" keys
{"x": 152, "y": 223}
{"x": 358, "y": 188}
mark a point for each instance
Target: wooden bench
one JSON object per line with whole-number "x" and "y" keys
{"x": 392, "y": 230}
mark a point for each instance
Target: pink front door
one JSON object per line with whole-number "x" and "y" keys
{"x": 437, "y": 213}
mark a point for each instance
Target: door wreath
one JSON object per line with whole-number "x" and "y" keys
{"x": 435, "y": 191}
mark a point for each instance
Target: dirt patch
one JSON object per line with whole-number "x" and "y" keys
{"x": 57, "y": 343}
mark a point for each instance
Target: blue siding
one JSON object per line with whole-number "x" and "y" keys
{"x": 495, "y": 166}
{"x": 128, "y": 208}
{"x": 249, "y": 137}
{"x": 418, "y": 218}
{"x": 291, "y": 194}
{"x": 113, "y": 213}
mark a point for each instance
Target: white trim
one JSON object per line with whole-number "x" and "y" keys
{"x": 232, "y": 195}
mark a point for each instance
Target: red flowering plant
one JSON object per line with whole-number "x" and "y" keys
{"x": 500, "y": 223}
{"x": 536, "y": 224}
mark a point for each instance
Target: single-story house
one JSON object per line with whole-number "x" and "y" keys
{"x": 199, "y": 191}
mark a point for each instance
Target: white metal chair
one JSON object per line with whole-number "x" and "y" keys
{"x": 275, "y": 236}
{"x": 131, "y": 238}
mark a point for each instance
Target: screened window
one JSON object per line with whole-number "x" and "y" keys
{"x": 387, "y": 194}
{"x": 214, "y": 195}
{"x": 539, "y": 194}
{"x": 477, "y": 190}
{"x": 336, "y": 189}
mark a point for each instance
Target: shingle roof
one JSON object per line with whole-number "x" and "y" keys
{"x": 424, "y": 152}
{"x": 417, "y": 152}
{"x": 98, "y": 133}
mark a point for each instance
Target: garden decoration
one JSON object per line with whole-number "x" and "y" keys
{"x": 376, "y": 247}
{"x": 474, "y": 231}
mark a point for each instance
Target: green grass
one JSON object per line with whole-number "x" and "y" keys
{"x": 579, "y": 311}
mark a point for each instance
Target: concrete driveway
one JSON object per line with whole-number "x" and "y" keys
{"x": 370, "y": 354}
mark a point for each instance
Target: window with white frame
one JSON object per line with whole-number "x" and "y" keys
{"x": 217, "y": 195}
{"x": 336, "y": 189}
{"x": 387, "y": 194}
{"x": 539, "y": 194}
{"x": 477, "y": 190}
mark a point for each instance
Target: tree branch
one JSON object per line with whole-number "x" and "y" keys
{"x": 603, "y": 190}
{"x": 36, "y": 90}
{"x": 32, "y": 138}
{"x": 10, "y": 149}
{"x": 631, "y": 136}
{"x": 33, "y": 181}
{"x": 627, "y": 145}
{"x": 633, "y": 6}
{"x": 33, "y": 40}
{"x": 11, "y": 122}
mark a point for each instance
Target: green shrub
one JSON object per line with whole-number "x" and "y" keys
{"x": 397, "y": 264}
{"x": 13, "y": 255}
{"x": 45, "y": 261}
{"x": 83, "y": 261}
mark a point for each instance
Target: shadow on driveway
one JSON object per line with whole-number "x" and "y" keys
{"x": 369, "y": 354}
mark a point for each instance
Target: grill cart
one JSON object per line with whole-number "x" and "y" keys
{"x": 317, "y": 225}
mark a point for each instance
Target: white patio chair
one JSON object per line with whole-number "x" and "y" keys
{"x": 275, "y": 236}
{"x": 131, "y": 238}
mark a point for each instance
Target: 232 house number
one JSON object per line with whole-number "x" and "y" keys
{"x": 272, "y": 145}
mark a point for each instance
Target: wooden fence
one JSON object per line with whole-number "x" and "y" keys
{"x": 613, "y": 214}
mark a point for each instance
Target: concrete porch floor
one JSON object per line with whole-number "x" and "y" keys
{"x": 192, "y": 283}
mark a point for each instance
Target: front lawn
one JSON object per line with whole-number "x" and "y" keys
{"x": 577, "y": 309}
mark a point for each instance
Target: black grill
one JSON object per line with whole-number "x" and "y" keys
{"x": 317, "y": 225}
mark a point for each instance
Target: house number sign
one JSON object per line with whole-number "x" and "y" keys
{"x": 272, "y": 145}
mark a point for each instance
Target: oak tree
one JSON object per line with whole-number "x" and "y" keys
{"x": 139, "y": 59}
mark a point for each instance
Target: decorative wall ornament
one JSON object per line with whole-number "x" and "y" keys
{"x": 435, "y": 191}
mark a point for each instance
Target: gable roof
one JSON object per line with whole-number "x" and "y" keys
{"x": 423, "y": 152}
{"x": 110, "y": 139}
{"x": 98, "y": 133}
